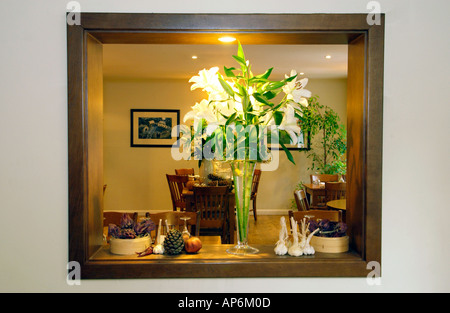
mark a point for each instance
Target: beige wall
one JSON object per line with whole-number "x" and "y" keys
{"x": 135, "y": 177}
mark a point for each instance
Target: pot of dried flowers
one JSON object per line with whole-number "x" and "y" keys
{"x": 129, "y": 237}
{"x": 331, "y": 237}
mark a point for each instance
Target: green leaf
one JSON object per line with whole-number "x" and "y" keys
{"x": 278, "y": 117}
{"x": 266, "y": 74}
{"x": 289, "y": 79}
{"x": 270, "y": 95}
{"x": 275, "y": 85}
{"x": 231, "y": 118}
{"x": 229, "y": 71}
{"x": 240, "y": 60}
{"x": 241, "y": 51}
{"x": 288, "y": 153}
{"x": 226, "y": 87}
{"x": 261, "y": 99}
{"x": 256, "y": 80}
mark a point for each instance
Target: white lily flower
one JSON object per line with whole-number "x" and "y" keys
{"x": 290, "y": 124}
{"x": 225, "y": 108}
{"x": 201, "y": 110}
{"x": 208, "y": 80}
{"x": 295, "y": 90}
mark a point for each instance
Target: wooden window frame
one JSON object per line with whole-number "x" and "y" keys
{"x": 364, "y": 123}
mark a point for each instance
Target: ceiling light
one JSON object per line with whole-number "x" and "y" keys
{"x": 227, "y": 39}
{"x": 328, "y": 56}
{"x": 195, "y": 57}
{"x": 301, "y": 74}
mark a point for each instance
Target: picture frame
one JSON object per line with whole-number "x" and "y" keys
{"x": 153, "y": 128}
{"x": 303, "y": 143}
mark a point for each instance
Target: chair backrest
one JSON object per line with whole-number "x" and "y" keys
{"x": 115, "y": 217}
{"x": 174, "y": 219}
{"x": 176, "y": 184}
{"x": 212, "y": 203}
{"x": 184, "y": 171}
{"x": 301, "y": 200}
{"x": 324, "y": 177}
{"x": 335, "y": 190}
{"x": 255, "y": 183}
{"x": 331, "y": 215}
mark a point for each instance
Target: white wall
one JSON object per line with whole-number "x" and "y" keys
{"x": 33, "y": 137}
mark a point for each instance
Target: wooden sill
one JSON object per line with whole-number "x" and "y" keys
{"x": 214, "y": 261}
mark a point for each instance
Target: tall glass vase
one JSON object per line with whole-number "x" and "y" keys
{"x": 243, "y": 179}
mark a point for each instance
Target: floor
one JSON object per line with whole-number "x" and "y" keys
{"x": 265, "y": 230}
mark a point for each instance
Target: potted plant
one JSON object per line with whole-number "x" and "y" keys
{"x": 129, "y": 237}
{"x": 328, "y": 152}
{"x": 331, "y": 236}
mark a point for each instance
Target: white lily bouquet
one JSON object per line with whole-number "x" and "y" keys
{"x": 239, "y": 119}
{"x": 241, "y": 115}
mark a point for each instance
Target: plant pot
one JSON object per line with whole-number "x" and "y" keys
{"x": 330, "y": 245}
{"x": 129, "y": 246}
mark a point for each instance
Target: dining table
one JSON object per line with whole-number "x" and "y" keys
{"x": 315, "y": 191}
{"x": 341, "y": 205}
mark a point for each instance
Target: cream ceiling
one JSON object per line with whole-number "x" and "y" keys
{"x": 173, "y": 61}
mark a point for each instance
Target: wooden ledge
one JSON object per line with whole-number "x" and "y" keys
{"x": 214, "y": 261}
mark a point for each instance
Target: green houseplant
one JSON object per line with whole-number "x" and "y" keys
{"x": 328, "y": 138}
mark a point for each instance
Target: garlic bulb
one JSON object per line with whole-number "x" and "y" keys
{"x": 295, "y": 249}
{"x": 158, "y": 249}
{"x": 308, "y": 249}
{"x": 281, "y": 248}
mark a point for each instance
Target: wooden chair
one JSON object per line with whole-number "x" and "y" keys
{"x": 324, "y": 178}
{"x": 184, "y": 171}
{"x": 174, "y": 219}
{"x": 115, "y": 217}
{"x": 215, "y": 212}
{"x": 255, "y": 184}
{"x": 334, "y": 216}
{"x": 320, "y": 202}
{"x": 176, "y": 184}
{"x": 301, "y": 200}
{"x": 335, "y": 190}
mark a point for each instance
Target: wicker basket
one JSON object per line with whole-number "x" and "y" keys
{"x": 330, "y": 245}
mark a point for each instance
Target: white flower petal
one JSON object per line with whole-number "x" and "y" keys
{"x": 303, "y": 82}
{"x": 211, "y": 128}
{"x": 189, "y": 116}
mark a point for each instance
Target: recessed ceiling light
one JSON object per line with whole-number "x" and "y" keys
{"x": 328, "y": 56}
{"x": 301, "y": 74}
{"x": 227, "y": 39}
{"x": 195, "y": 57}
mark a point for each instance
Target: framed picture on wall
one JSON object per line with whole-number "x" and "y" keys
{"x": 153, "y": 128}
{"x": 303, "y": 143}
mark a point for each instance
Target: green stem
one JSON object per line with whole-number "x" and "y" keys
{"x": 243, "y": 178}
